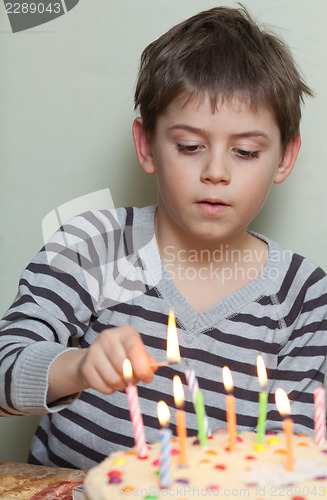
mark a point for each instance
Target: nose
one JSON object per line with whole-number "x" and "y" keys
{"x": 216, "y": 170}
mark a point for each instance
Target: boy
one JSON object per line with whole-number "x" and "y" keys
{"x": 220, "y": 111}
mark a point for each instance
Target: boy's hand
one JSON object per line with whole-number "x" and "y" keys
{"x": 100, "y": 366}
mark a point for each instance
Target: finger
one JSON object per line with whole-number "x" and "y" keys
{"x": 98, "y": 362}
{"x": 115, "y": 352}
{"x": 137, "y": 354}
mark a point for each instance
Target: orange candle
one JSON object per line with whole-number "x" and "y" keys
{"x": 180, "y": 419}
{"x": 284, "y": 409}
{"x": 230, "y": 408}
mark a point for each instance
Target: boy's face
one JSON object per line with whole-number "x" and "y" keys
{"x": 214, "y": 170}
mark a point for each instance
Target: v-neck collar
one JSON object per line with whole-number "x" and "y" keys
{"x": 194, "y": 321}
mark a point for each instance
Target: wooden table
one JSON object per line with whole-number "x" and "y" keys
{"x": 22, "y": 481}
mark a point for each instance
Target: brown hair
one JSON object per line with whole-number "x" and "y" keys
{"x": 223, "y": 53}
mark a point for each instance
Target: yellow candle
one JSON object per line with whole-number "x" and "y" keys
{"x": 231, "y": 421}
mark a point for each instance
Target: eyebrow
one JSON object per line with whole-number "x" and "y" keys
{"x": 189, "y": 128}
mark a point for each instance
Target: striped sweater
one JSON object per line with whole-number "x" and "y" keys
{"x": 102, "y": 270}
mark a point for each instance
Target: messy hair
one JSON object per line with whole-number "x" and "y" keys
{"x": 221, "y": 53}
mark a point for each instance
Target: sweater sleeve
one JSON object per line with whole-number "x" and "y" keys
{"x": 301, "y": 359}
{"x": 56, "y": 298}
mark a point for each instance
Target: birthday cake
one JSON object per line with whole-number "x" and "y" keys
{"x": 251, "y": 471}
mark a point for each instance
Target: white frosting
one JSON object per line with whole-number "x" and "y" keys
{"x": 244, "y": 473}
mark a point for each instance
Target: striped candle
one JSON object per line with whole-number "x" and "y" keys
{"x": 165, "y": 437}
{"x": 320, "y": 415}
{"x": 135, "y": 412}
{"x": 193, "y": 384}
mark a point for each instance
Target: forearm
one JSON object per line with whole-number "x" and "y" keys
{"x": 64, "y": 375}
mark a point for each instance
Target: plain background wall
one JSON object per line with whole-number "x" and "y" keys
{"x": 66, "y": 109}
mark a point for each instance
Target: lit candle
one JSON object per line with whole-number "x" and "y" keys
{"x": 165, "y": 437}
{"x": 320, "y": 415}
{"x": 263, "y": 399}
{"x": 173, "y": 354}
{"x": 180, "y": 418}
{"x": 134, "y": 409}
{"x": 230, "y": 408}
{"x": 193, "y": 385}
{"x": 284, "y": 409}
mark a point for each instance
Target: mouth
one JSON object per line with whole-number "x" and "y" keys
{"x": 212, "y": 205}
{"x": 213, "y": 202}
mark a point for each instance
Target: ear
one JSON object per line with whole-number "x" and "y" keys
{"x": 143, "y": 147}
{"x": 286, "y": 165}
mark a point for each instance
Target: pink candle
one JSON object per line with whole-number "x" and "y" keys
{"x": 320, "y": 415}
{"x": 135, "y": 412}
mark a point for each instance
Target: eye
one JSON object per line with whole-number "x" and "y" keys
{"x": 246, "y": 155}
{"x": 189, "y": 149}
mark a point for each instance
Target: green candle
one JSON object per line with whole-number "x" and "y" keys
{"x": 263, "y": 399}
{"x": 200, "y": 413}
{"x": 261, "y": 430}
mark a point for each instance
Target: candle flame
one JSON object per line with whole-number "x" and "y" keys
{"x": 282, "y": 402}
{"x": 127, "y": 370}
{"x": 261, "y": 370}
{"x": 173, "y": 353}
{"x": 227, "y": 378}
{"x": 178, "y": 391}
{"x": 163, "y": 413}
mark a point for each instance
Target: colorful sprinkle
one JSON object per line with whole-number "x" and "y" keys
{"x": 271, "y": 433}
{"x": 182, "y": 481}
{"x": 260, "y": 447}
{"x": 239, "y": 439}
{"x": 128, "y": 490}
{"x": 120, "y": 461}
{"x": 156, "y": 462}
{"x": 303, "y": 444}
{"x": 205, "y": 461}
{"x": 151, "y": 497}
{"x": 273, "y": 441}
{"x": 174, "y": 451}
{"x": 115, "y": 480}
{"x": 211, "y": 452}
{"x": 303, "y": 435}
{"x": 220, "y": 467}
{"x": 196, "y": 442}
{"x": 250, "y": 457}
{"x": 321, "y": 478}
{"x": 212, "y": 487}
{"x": 282, "y": 452}
{"x": 130, "y": 452}
{"x": 113, "y": 473}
